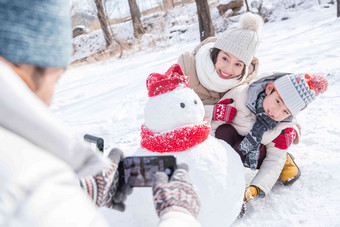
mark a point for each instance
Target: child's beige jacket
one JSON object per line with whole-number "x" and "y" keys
{"x": 243, "y": 122}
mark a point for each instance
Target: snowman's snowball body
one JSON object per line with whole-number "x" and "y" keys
{"x": 215, "y": 168}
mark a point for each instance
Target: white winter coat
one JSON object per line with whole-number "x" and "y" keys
{"x": 40, "y": 162}
{"x": 243, "y": 122}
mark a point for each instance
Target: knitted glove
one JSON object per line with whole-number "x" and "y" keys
{"x": 176, "y": 195}
{"x": 103, "y": 188}
{"x": 251, "y": 193}
{"x": 118, "y": 190}
{"x": 285, "y": 139}
{"x": 224, "y": 112}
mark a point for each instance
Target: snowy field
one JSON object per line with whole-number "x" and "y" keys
{"x": 107, "y": 99}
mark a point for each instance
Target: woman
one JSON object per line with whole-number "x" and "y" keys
{"x": 219, "y": 64}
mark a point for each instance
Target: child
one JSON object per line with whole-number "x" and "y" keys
{"x": 264, "y": 126}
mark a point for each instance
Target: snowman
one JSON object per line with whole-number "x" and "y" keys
{"x": 175, "y": 125}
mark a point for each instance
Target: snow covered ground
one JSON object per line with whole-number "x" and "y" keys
{"x": 107, "y": 99}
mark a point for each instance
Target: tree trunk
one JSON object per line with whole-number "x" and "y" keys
{"x": 338, "y": 11}
{"x": 103, "y": 22}
{"x": 246, "y": 1}
{"x": 138, "y": 29}
{"x": 114, "y": 37}
{"x": 204, "y": 19}
{"x": 168, "y": 4}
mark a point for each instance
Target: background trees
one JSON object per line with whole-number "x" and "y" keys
{"x": 138, "y": 29}
{"x": 204, "y": 19}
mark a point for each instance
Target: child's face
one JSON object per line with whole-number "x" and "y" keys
{"x": 228, "y": 66}
{"x": 274, "y": 105}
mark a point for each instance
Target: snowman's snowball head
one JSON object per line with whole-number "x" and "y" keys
{"x": 173, "y": 109}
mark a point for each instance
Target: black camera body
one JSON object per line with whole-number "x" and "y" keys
{"x": 139, "y": 171}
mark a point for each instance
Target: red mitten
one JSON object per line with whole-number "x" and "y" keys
{"x": 285, "y": 139}
{"x": 223, "y": 112}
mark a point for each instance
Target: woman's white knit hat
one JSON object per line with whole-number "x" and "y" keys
{"x": 242, "y": 41}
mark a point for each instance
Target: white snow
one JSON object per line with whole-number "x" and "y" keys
{"x": 107, "y": 99}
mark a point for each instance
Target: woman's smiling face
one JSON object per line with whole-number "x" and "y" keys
{"x": 228, "y": 66}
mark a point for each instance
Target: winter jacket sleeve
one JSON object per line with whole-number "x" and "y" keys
{"x": 178, "y": 219}
{"x": 208, "y": 111}
{"x": 40, "y": 189}
{"x": 244, "y": 119}
{"x": 26, "y": 115}
{"x": 275, "y": 159}
{"x": 270, "y": 169}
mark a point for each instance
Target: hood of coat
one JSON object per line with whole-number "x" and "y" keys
{"x": 27, "y": 116}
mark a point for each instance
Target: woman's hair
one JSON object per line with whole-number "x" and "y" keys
{"x": 213, "y": 56}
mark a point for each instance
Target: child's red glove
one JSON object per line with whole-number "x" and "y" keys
{"x": 285, "y": 139}
{"x": 224, "y": 112}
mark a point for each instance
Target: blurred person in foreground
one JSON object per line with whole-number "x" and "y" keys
{"x": 49, "y": 177}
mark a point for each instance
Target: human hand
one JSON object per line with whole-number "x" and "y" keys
{"x": 104, "y": 188}
{"x": 223, "y": 112}
{"x": 177, "y": 194}
{"x": 251, "y": 193}
{"x": 118, "y": 191}
{"x": 285, "y": 139}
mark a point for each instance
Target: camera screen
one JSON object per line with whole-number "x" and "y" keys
{"x": 140, "y": 171}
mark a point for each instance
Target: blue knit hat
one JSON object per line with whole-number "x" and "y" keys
{"x": 36, "y": 32}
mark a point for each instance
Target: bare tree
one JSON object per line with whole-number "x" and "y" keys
{"x": 168, "y": 4}
{"x": 114, "y": 36}
{"x": 247, "y": 5}
{"x": 338, "y": 11}
{"x": 103, "y": 20}
{"x": 93, "y": 10}
{"x": 204, "y": 19}
{"x": 138, "y": 29}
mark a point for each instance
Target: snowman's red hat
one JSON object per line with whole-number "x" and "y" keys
{"x": 161, "y": 83}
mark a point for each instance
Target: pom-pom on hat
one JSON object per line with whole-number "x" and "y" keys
{"x": 298, "y": 90}
{"x": 161, "y": 83}
{"x": 242, "y": 41}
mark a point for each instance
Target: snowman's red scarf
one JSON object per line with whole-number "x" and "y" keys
{"x": 177, "y": 140}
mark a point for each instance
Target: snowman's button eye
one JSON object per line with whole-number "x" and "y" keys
{"x": 182, "y": 105}
{"x": 195, "y": 101}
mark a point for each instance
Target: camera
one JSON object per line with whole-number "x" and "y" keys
{"x": 139, "y": 171}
